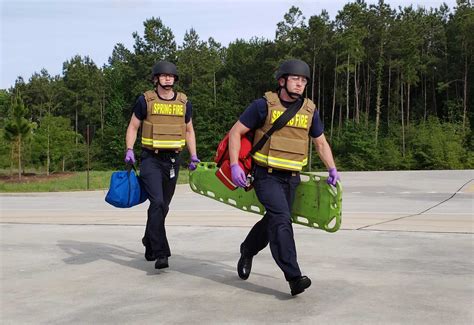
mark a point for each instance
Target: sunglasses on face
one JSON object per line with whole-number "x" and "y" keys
{"x": 298, "y": 78}
{"x": 165, "y": 76}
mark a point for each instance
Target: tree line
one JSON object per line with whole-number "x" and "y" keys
{"x": 393, "y": 88}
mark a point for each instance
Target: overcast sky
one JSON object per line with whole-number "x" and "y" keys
{"x": 38, "y": 34}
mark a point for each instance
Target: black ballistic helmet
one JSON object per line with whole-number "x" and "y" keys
{"x": 293, "y": 67}
{"x": 165, "y": 67}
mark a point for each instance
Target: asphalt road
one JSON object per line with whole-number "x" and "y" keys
{"x": 404, "y": 255}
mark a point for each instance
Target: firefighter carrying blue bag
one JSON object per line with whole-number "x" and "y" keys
{"x": 125, "y": 189}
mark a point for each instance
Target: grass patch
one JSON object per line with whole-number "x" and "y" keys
{"x": 64, "y": 182}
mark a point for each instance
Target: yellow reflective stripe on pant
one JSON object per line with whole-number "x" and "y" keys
{"x": 163, "y": 143}
{"x": 280, "y": 162}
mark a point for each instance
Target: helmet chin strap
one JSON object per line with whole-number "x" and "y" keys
{"x": 291, "y": 94}
{"x": 166, "y": 87}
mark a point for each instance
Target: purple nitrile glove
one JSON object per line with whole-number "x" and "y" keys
{"x": 129, "y": 157}
{"x": 333, "y": 176}
{"x": 238, "y": 175}
{"x": 194, "y": 161}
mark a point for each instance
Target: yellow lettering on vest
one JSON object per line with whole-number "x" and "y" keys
{"x": 168, "y": 109}
{"x": 305, "y": 121}
{"x": 275, "y": 115}
{"x": 298, "y": 121}
{"x": 178, "y": 109}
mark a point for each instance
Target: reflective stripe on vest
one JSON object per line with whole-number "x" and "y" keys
{"x": 165, "y": 144}
{"x": 279, "y": 162}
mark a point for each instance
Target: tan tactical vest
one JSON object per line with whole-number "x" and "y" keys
{"x": 287, "y": 148}
{"x": 164, "y": 126}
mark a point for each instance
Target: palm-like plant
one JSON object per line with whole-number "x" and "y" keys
{"x": 17, "y": 127}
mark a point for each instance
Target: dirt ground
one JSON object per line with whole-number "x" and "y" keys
{"x": 33, "y": 177}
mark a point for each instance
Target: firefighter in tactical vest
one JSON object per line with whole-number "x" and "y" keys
{"x": 165, "y": 117}
{"x": 278, "y": 163}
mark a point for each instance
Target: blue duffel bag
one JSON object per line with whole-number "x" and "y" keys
{"x": 126, "y": 189}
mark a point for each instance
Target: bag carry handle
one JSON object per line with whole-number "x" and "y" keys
{"x": 129, "y": 167}
{"x": 280, "y": 122}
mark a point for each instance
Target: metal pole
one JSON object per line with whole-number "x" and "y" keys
{"x": 88, "y": 158}
{"x": 310, "y": 160}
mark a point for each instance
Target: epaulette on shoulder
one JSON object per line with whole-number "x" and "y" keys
{"x": 272, "y": 98}
{"x": 309, "y": 105}
{"x": 150, "y": 95}
{"x": 181, "y": 97}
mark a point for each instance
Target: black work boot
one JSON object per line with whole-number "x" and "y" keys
{"x": 161, "y": 262}
{"x": 244, "y": 266}
{"x": 298, "y": 285}
{"x": 149, "y": 256}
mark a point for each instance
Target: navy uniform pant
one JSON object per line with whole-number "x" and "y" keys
{"x": 155, "y": 171}
{"x": 276, "y": 191}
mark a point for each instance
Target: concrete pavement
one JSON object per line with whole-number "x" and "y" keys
{"x": 404, "y": 255}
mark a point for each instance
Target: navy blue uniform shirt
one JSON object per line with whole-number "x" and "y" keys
{"x": 255, "y": 114}
{"x": 140, "y": 108}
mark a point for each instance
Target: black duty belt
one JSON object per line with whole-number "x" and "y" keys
{"x": 162, "y": 153}
{"x": 275, "y": 171}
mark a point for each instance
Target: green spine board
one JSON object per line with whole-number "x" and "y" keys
{"x": 316, "y": 205}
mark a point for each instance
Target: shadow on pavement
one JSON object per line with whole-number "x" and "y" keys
{"x": 88, "y": 252}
